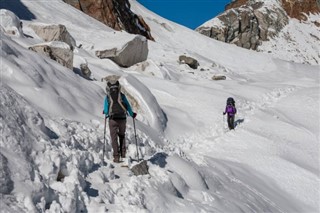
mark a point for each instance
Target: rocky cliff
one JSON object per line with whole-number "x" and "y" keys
{"x": 247, "y": 23}
{"x": 294, "y": 8}
{"x": 114, "y": 13}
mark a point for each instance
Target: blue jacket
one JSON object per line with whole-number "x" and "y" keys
{"x": 125, "y": 101}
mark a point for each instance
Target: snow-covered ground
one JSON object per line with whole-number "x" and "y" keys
{"x": 299, "y": 41}
{"x": 52, "y": 127}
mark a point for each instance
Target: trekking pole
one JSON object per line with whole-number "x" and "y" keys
{"x": 135, "y": 136}
{"x": 223, "y": 118}
{"x": 104, "y": 140}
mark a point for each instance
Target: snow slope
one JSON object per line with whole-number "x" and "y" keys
{"x": 297, "y": 42}
{"x": 52, "y": 127}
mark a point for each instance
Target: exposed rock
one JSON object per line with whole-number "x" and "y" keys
{"x": 236, "y": 4}
{"x": 115, "y": 14}
{"x": 219, "y": 77}
{"x": 10, "y": 23}
{"x": 297, "y": 9}
{"x": 57, "y": 51}
{"x": 133, "y": 52}
{"x": 193, "y": 63}
{"x": 6, "y": 184}
{"x": 85, "y": 71}
{"x": 53, "y": 32}
{"x": 248, "y": 25}
{"x": 294, "y": 8}
{"x": 140, "y": 169}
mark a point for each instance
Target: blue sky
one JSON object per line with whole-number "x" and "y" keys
{"x": 190, "y": 13}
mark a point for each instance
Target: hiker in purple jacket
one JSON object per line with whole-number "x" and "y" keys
{"x": 231, "y": 111}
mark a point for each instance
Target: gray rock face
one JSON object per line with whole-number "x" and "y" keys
{"x": 247, "y": 25}
{"x": 193, "y": 63}
{"x": 57, "y": 51}
{"x": 133, "y": 52}
{"x": 53, "y": 33}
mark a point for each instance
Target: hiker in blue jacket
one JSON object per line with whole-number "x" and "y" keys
{"x": 116, "y": 108}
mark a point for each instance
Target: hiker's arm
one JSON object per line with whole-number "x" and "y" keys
{"x": 106, "y": 106}
{"x": 128, "y": 106}
{"x": 225, "y": 111}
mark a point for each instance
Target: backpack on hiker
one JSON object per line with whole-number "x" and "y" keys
{"x": 230, "y": 107}
{"x": 117, "y": 109}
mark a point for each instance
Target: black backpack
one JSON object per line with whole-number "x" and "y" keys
{"x": 230, "y": 101}
{"x": 117, "y": 108}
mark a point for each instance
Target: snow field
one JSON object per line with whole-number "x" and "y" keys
{"x": 52, "y": 127}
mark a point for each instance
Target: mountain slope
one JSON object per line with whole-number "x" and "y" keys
{"x": 268, "y": 164}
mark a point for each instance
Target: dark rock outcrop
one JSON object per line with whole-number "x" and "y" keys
{"x": 297, "y": 9}
{"x": 247, "y": 25}
{"x": 193, "y": 63}
{"x": 115, "y": 14}
{"x": 6, "y": 184}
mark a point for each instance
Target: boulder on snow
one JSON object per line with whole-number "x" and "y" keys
{"x": 85, "y": 71}
{"x": 57, "y": 51}
{"x": 140, "y": 169}
{"x": 10, "y": 23}
{"x": 219, "y": 77}
{"x": 53, "y": 32}
{"x": 193, "y": 63}
{"x": 133, "y": 52}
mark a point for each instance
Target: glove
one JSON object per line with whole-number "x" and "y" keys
{"x": 134, "y": 115}
{"x": 224, "y": 113}
{"x": 102, "y": 112}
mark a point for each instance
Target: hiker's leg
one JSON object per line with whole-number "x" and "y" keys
{"x": 113, "y": 126}
{"x": 232, "y": 122}
{"x": 229, "y": 122}
{"x": 122, "y": 132}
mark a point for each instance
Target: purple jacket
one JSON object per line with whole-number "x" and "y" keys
{"x": 231, "y": 110}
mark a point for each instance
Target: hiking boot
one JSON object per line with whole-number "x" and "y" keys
{"x": 116, "y": 160}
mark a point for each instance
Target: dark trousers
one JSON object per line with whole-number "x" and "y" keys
{"x": 118, "y": 129}
{"x": 230, "y": 121}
